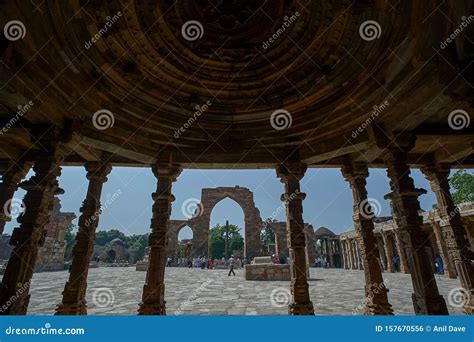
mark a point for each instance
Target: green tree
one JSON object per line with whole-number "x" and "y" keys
{"x": 217, "y": 240}
{"x": 138, "y": 244}
{"x": 104, "y": 236}
{"x": 267, "y": 236}
{"x": 70, "y": 239}
{"x": 462, "y": 183}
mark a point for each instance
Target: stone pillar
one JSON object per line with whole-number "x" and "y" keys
{"x": 153, "y": 302}
{"x": 383, "y": 258}
{"x": 359, "y": 259}
{"x": 74, "y": 301}
{"x": 40, "y": 191}
{"x": 401, "y": 253}
{"x": 404, "y": 196}
{"x": 290, "y": 173}
{"x": 453, "y": 231}
{"x": 376, "y": 302}
{"x": 351, "y": 254}
{"x": 449, "y": 268}
{"x": 344, "y": 254}
{"x": 331, "y": 253}
{"x": 12, "y": 174}
{"x": 388, "y": 251}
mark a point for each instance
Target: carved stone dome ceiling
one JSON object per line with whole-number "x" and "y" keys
{"x": 155, "y": 64}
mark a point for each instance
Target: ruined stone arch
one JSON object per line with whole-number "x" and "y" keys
{"x": 252, "y": 220}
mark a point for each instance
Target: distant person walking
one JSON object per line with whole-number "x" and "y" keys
{"x": 231, "y": 265}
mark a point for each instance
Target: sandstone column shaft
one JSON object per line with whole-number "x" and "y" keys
{"x": 404, "y": 196}
{"x": 153, "y": 301}
{"x": 376, "y": 299}
{"x": 290, "y": 174}
{"x": 453, "y": 231}
{"x": 12, "y": 174}
{"x": 27, "y": 238}
{"x": 74, "y": 301}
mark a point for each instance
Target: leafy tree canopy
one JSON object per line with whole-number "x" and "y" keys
{"x": 462, "y": 183}
{"x": 217, "y": 240}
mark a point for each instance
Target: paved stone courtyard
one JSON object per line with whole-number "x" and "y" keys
{"x": 212, "y": 292}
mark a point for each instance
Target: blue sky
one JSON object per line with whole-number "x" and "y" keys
{"x": 328, "y": 198}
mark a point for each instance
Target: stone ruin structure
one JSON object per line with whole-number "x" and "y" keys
{"x": 114, "y": 251}
{"x": 326, "y": 93}
{"x": 390, "y": 242}
{"x": 51, "y": 253}
{"x": 253, "y": 225}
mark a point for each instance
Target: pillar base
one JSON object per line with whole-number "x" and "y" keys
{"x": 301, "y": 308}
{"x": 429, "y": 305}
{"x": 71, "y": 310}
{"x": 152, "y": 309}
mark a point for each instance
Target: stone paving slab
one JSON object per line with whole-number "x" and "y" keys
{"x": 211, "y": 292}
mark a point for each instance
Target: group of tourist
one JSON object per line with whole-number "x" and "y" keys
{"x": 203, "y": 262}
{"x": 321, "y": 262}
